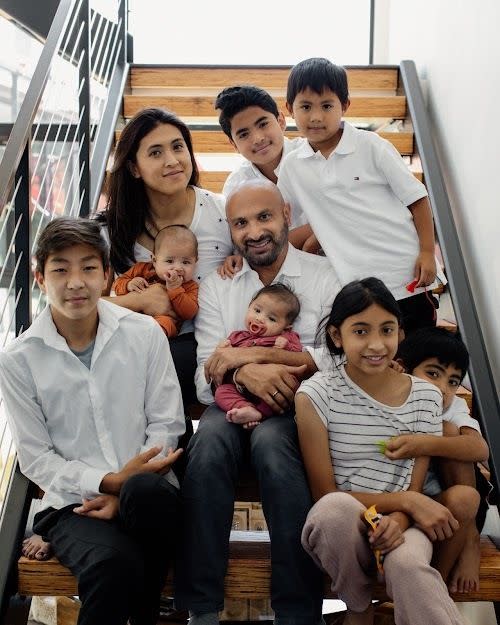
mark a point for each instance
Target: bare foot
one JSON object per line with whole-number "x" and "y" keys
{"x": 360, "y": 618}
{"x": 35, "y": 548}
{"x": 465, "y": 574}
{"x": 245, "y": 414}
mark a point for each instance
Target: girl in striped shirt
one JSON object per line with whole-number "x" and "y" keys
{"x": 344, "y": 415}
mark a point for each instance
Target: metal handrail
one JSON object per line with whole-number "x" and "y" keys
{"x": 485, "y": 393}
{"x": 101, "y": 65}
{"x": 22, "y": 127}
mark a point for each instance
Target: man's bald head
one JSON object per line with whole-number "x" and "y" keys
{"x": 258, "y": 219}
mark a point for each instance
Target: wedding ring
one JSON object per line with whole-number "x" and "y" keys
{"x": 274, "y": 394}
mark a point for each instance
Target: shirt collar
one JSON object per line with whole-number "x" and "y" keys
{"x": 291, "y": 266}
{"x": 346, "y": 145}
{"x": 45, "y": 329}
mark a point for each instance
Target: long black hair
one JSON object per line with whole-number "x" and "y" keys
{"x": 352, "y": 299}
{"x": 128, "y": 205}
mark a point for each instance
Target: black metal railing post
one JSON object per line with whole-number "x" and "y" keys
{"x": 371, "y": 46}
{"x": 22, "y": 221}
{"x": 84, "y": 111}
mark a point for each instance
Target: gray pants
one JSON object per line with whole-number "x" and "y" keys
{"x": 335, "y": 537}
{"x": 216, "y": 454}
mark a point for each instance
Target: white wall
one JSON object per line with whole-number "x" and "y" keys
{"x": 456, "y": 47}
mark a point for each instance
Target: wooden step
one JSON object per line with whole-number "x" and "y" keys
{"x": 248, "y": 575}
{"x": 214, "y": 180}
{"x": 391, "y": 106}
{"x": 272, "y": 77}
{"x": 214, "y": 140}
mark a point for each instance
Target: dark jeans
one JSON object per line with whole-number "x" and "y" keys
{"x": 183, "y": 350}
{"x": 216, "y": 454}
{"x": 121, "y": 564}
{"x": 419, "y": 311}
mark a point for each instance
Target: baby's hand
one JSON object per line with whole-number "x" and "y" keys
{"x": 173, "y": 279}
{"x": 281, "y": 342}
{"x": 137, "y": 284}
{"x": 224, "y": 343}
{"x": 230, "y": 266}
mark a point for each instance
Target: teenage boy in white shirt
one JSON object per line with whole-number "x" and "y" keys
{"x": 95, "y": 410}
{"x": 250, "y": 118}
{"x": 258, "y": 219}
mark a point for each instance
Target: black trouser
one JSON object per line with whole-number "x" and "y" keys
{"x": 215, "y": 456}
{"x": 419, "y": 311}
{"x": 121, "y": 564}
{"x": 183, "y": 350}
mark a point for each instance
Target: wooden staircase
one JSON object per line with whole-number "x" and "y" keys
{"x": 377, "y": 104}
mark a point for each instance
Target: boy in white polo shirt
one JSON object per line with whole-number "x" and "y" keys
{"x": 368, "y": 212}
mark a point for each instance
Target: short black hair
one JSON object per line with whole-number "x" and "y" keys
{"x": 434, "y": 342}
{"x": 64, "y": 232}
{"x": 233, "y": 100}
{"x": 285, "y": 294}
{"x": 317, "y": 74}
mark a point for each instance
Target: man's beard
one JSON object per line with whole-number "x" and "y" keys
{"x": 256, "y": 259}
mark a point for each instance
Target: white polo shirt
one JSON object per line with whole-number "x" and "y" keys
{"x": 356, "y": 203}
{"x": 72, "y": 425}
{"x": 248, "y": 171}
{"x": 223, "y": 304}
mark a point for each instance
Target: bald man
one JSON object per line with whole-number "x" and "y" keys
{"x": 259, "y": 220}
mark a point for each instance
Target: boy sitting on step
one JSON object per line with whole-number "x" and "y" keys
{"x": 94, "y": 407}
{"x": 439, "y": 356}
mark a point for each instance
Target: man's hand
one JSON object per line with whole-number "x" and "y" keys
{"x": 103, "y": 507}
{"x": 224, "y": 359}
{"x": 274, "y": 384}
{"x": 425, "y": 269}
{"x": 410, "y": 446}
{"x": 155, "y": 301}
{"x": 434, "y": 519}
{"x": 145, "y": 462}
{"x": 137, "y": 284}
{"x": 230, "y": 266}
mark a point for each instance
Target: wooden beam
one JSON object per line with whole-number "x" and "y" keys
{"x": 391, "y": 106}
{"x": 360, "y": 78}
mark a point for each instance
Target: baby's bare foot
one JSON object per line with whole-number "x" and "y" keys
{"x": 465, "y": 574}
{"x": 35, "y": 548}
{"x": 245, "y": 414}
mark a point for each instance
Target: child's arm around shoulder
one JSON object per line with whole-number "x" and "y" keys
{"x": 464, "y": 444}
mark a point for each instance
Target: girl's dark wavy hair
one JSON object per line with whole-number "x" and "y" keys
{"x": 353, "y": 299}
{"x": 128, "y": 206}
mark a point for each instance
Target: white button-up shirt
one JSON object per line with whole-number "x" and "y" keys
{"x": 72, "y": 425}
{"x": 223, "y": 304}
